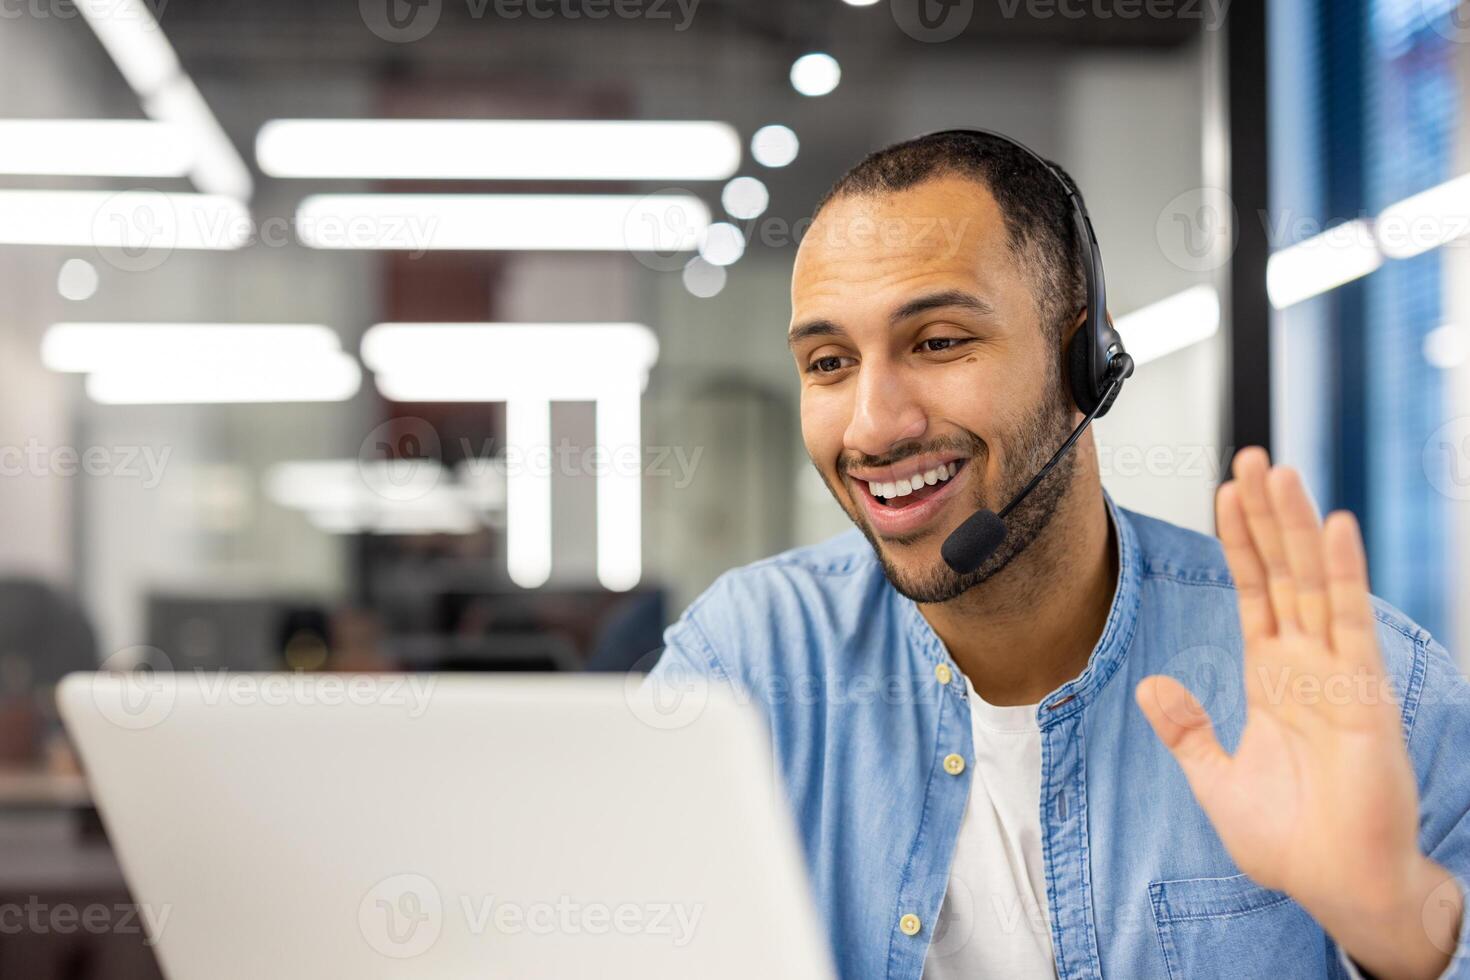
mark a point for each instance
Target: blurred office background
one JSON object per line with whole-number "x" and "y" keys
{"x": 230, "y": 436}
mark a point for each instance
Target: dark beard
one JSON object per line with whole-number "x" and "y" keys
{"x": 1034, "y": 445}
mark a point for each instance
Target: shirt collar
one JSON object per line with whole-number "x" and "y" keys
{"x": 1111, "y": 646}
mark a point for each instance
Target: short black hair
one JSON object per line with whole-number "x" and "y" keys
{"x": 1037, "y": 214}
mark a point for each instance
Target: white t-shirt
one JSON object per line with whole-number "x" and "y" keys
{"x": 994, "y": 922}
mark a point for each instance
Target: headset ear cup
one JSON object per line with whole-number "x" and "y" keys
{"x": 1079, "y": 372}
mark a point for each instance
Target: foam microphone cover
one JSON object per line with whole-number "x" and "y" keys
{"x": 973, "y": 541}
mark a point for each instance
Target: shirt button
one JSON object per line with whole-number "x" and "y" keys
{"x": 943, "y": 673}
{"x": 909, "y": 925}
{"x": 954, "y": 764}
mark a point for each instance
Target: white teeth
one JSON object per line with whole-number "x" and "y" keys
{"x": 904, "y": 487}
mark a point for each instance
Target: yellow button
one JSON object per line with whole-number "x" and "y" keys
{"x": 943, "y": 673}
{"x": 954, "y": 764}
{"x": 909, "y": 925}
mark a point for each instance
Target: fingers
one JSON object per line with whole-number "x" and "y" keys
{"x": 1183, "y": 725}
{"x": 1354, "y": 632}
{"x": 1301, "y": 530}
{"x": 1250, "y": 468}
{"x": 1246, "y": 569}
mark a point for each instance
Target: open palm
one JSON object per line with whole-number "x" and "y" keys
{"x": 1319, "y": 798}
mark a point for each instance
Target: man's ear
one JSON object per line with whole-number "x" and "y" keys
{"x": 1064, "y": 358}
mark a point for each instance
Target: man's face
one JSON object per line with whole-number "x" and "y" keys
{"x": 929, "y": 387}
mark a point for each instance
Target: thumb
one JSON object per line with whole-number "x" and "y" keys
{"x": 1183, "y": 725}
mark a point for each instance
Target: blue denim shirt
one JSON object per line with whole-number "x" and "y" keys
{"x": 1137, "y": 883}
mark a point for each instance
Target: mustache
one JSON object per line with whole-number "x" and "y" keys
{"x": 967, "y": 445}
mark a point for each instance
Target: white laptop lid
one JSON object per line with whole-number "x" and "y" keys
{"x": 421, "y": 826}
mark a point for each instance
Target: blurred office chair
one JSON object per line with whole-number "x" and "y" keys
{"x": 630, "y": 635}
{"x": 44, "y": 635}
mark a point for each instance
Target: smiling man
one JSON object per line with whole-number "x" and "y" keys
{"x": 997, "y": 772}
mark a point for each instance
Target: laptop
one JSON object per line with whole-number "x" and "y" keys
{"x": 306, "y": 826}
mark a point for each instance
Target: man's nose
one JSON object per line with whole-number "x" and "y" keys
{"x": 885, "y": 413}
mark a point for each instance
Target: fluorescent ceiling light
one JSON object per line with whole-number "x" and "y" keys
{"x": 140, "y": 221}
{"x": 133, "y": 38}
{"x": 344, "y": 484}
{"x": 203, "y": 363}
{"x": 528, "y": 366}
{"x": 745, "y": 198}
{"x": 815, "y": 74}
{"x": 1425, "y": 221}
{"x": 1339, "y": 255}
{"x": 493, "y": 149}
{"x": 148, "y": 346}
{"x": 505, "y": 361}
{"x": 774, "y": 145}
{"x": 350, "y": 496}
{"x": 94, "y": 148}
{"x": 528, "y": 491}
{"x": 1171, "y": 324}
{"x": 664, "y": 223}
{"x": 332, "y": 377}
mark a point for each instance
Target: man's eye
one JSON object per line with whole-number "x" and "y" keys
{"x": 826, "y": 365}
{"x": 934, "y": 345}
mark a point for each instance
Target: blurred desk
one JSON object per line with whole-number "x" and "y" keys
{"x": 65, "y": 911}
{"x": 24, "y": 789}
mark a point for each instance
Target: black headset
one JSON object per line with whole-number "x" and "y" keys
{"x": 1095, "y": 365}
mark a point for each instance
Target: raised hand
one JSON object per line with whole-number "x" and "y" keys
{"x": 1319, "y": 799}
